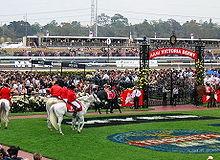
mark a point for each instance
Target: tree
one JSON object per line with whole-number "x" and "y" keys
{"x": 66, "y": 29}
{"x": 192, "y": 27}
{"x": 21, "y": 28}
{"x": 162, "y": 28}
{"x": 120, "y": 26}
{"x": 104, "y": 20}
{"x": 119, "y": 20}
{"x": 35, "y": 28}
{"x": 143, "y": 29}
{"x": 176, "y": 27}
{"x": 52, "y": 28}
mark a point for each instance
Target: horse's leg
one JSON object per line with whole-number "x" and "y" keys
{"x": 107, "y": 107}
{"x": 6, "y": 119}
{"x": 48, "y": 121}
{"x": 60, "y": 119}
{"x": 119, "y": 108}
{"x": 81, "y": 123}
{"x": 99, "y": 109}
{"x": 74, "y": 123}
{"x": 48, "y": 108}
{"x": 49, "y": 124}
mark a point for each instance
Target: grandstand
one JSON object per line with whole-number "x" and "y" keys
{"x": 73, "y": 41}
{"x": 78, "y": 46}
{"x": 79, "y": 41}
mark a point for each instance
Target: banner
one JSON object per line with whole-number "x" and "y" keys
{"x": 207, "y": 98}
{"x": 170, "y": 51}
{"x": 127, "y": 100}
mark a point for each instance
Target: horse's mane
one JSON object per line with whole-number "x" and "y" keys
{"x": 86, "y": 99}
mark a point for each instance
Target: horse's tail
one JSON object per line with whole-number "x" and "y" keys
{"x": 3, "y": 112}
{"x": 53, "y": 118}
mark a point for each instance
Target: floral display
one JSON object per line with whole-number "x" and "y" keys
{"x": 28, "y": 104}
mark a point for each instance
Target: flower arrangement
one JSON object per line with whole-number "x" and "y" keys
{"x": 143, "y": 78}
{"x": 199, "y": 64}
{"x": 27, "y": 103}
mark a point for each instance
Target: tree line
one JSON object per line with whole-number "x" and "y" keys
{"x": 115, "y": 26}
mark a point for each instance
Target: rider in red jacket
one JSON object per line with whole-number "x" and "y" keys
{"x": 72, "y": 105}
{"x": 63, "y": 94}
{"x": 55, "y": 90}
{"x": 5, "y": 92}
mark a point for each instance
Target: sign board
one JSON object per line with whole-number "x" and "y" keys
{"x": 49, "y": 63}
{"x": 22, "y": 64}
{"x": 173, "y": 51}
{"x": 81, "y": 66}
{"x": 37, "y": 62}
{"x": 69, "y": 64}
{"x": 73, "y": 65}
{"x": 134, "y": 63}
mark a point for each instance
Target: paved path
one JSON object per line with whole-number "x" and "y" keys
{"x": 29, "y": 156}
{"x": 178, "y": 108}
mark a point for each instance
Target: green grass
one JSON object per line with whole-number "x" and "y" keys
{"x": 32, "y": 135}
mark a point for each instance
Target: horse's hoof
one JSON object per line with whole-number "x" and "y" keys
{"x": 73, "y": 128}
{"x": 6, "y": 127}
{"x": 62, "y": 134}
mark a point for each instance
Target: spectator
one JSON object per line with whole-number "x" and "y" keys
{"x": 3, "y": 154}
{"x": 13, "y": 153}
{"x": 175, "y": 95}
{"x": 136, "y": 93}
{"x": 37, "y": 156}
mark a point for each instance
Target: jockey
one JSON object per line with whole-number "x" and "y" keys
{"x": 5, "y": 92}
{"x": 72, "y": 104}
{"x": 63, "y": 94}
{"x": 55, "y": 90}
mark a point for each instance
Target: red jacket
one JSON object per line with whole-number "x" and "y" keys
{"x": 71, "y": 95}
{"x": 55, "y": 90}
{"x": 64, "y": 92}
{"x": 5, "y": 93}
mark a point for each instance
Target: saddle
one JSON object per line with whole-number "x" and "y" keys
{"x": 71, "y": 108}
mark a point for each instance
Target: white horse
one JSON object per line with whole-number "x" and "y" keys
{"x": 58, "y": 110}
{"x": 4, "y": 112}
{"x": 49, "y": 102}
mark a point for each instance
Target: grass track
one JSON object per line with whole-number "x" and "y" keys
{"x": 32, "y": 135}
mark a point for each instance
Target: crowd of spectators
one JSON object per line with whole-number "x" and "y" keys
{"x": 32, "y": 83}
{"x": 37, "y": 83}
{"x": 12, "y": 153}
{"x": 97, "y": 52}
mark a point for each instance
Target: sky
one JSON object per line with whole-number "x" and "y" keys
{"x": 44, "y": 11}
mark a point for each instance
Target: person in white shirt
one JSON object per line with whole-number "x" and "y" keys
{"x": 175, "y": 95}
{"x": 164, "y": 91}
{"x": 136, "y": 93}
